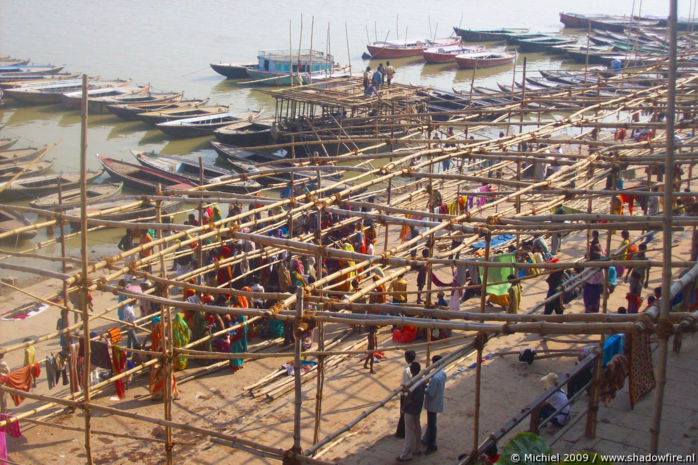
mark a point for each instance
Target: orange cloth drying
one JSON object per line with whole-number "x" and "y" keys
{"x": 21, "y": 379}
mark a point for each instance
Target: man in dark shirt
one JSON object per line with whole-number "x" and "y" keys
{"x": 554, "y": 281}
{"x": 412, "y": 409}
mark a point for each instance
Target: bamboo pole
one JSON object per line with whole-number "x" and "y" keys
{"x": 663, "y": 333}
{"x": 297, "y": 371}
{"x": 320, "y": 382}
{"x": 84, "y": 278}
{"x": 481, "y": 338}
{"x": 64, "y": 315}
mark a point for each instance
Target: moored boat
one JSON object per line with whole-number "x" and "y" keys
{"x": 10, "y": 80}
{"x": 9, "y": 155}
{"x": 7, "y": 61}
{"x": 9, "y": 170}
{"x": 407, "y": 48}
{"x": 113, "y": 210}
{"x": 191, "y": 170}
{"x": 472, "y": 35}
{"x": 131, "y": 111}
{"x": 142, "y": 177}
{"x": 283, "y": 68}
{"x": 71, "y": 198}
{"x": 53, "y": 91}
{"x": 483, "y": 60}
{"x": 36, "y": 186}
{"x": 11, "y": 221}
{"x": 232, "y": 70}
{"x": 246, "y": 134}
{"x": 180, "y": 111}
{"x": 205, "y": 125}
{"x": 447, "y": 54}
{"x": 542, "y": 44}
{"x": 30, "y": 69}
{"x": 96, "y": 103}
{"x": 7, "y": 142}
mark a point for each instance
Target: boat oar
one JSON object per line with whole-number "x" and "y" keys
{"x": 29, "y": 165}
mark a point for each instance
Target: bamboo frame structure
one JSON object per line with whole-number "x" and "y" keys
{"x": 388, "y": 141}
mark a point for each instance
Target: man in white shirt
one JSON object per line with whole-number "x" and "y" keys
{"x": 410, "y": 356}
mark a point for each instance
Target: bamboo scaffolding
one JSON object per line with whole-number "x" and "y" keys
{"x": 515, "y": 208}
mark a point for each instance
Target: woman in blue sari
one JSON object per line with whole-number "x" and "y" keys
{"x": 238, "y": 338}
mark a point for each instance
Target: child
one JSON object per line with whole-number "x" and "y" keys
{"x": 514, "y": 294}
{"x": 29, "y": 356}
{"x": 442, "y": 301}
{"x": 422, "y": 277}
{"x": 372, "y": 345}
{"x": 634, "y": 296}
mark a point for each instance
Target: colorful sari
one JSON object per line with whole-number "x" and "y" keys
{"x": 181, "y": 335}
{"x": 345, "y": 279}
{"x": 238, "y": 338}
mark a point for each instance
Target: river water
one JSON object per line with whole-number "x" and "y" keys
{"x": 169, "y": 45}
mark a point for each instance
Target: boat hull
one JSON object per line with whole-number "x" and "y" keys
{"x": 231, "y": 71}
{"x": 247, "y": 136}
{"x": 471, "y": 63}
{"x": 469, "y": 35}
{"x": 133, "y": 176}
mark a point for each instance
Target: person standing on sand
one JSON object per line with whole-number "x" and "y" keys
{"x": 410, "y": 355}
{"x": 412, "y": 411}
{"x": 434, "y": 403}
{"x": 372, "y": 345}
{"x": 389, "y": 72}
{"x": 367, "y": 76}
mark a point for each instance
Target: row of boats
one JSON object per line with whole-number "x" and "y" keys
{"x": 167, "y": 111}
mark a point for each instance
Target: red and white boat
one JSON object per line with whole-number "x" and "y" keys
{"x": 407, "y": 48}
{"x": 447, "y": 54}
{"x": 483, "y": 60}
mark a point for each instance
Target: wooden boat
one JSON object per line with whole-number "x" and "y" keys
{"x": 248, "y": 161}
{"x": 448, "y": 53}
{"x": 143, "y": 98}
{"x": 514, "y": 39}
{"x": 9, "y": 170}
{"x": 231, "y": 70}
{"x": 7, "y": 61}
{"x": 7, "y": 142}
{"x": 130, "y": 111}
{"x": 36, "y": 186}
{"x": 71, "y": 198}
{"x": 95, "y": 97}
{"x": 8, "y": 81}
{"x": 472, "y": 35}
{"x": 143, "y": 212}
{"x": 483, "y": 60}
{"x": 273, "y": 68}
{"x": 542, "y": 44}
{"x": 190, "y": 170}
{"x": 142, "y": 177}
{"x": 177, "y": 112}
{"x": 11, "y": 220}
{"x": 17, "y": 155}
{"x": 30, "y": 69}
{"x": 606, "y": 22}
{"x": 246, "y": 134}
{"x": 53, "y": 91}
{"x": 205, "y": 125}
{"x": 407, "y": 48}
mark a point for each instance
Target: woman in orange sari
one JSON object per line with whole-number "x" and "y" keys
{"x": 158, "y": 373}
